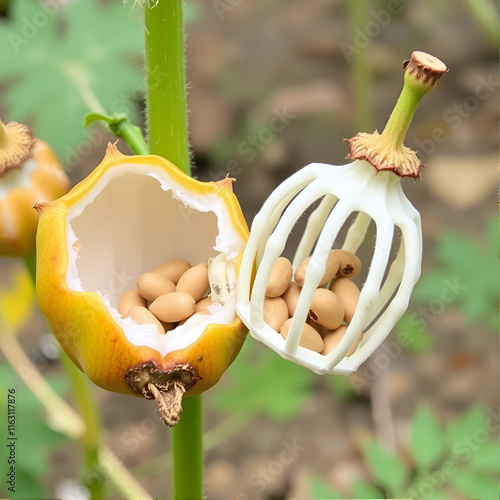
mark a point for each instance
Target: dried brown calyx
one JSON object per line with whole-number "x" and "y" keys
{"x": 386, "y": 151}
{"x": 167, "y": 388}
{"x": 16, "y": 145}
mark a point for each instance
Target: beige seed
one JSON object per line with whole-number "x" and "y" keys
{"x": 310, "y": 338}
{"x": 291, "y": 297}
{"x": 333, "y": 338}
{"x": 332, "y": 266}
{"x": 152, "y": 285}
{"x": 203, "y": 305}
{"x": 145, "y": 317}
{"x": 275, "y": 312}
{"x": 173, "y": 269}
{"x": 173, "y": 307}
{"x": 280, "y": 277}
{"x": 348, "y": 293}
{"x": 349, "y": 264}
{"x": 129, "y": 299}
{"x": 322, "y": 330}
{"x": 326, "y": 309}
{"x": 194, "y": 281}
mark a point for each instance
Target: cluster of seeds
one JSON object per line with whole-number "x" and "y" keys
{"x": 168, "y": 295}
{"x": 331, "y": 308}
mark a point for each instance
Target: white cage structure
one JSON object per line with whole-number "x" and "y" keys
{"x": 340, "y": 192}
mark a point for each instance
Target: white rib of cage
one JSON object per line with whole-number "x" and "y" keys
{"x": 343, "y": 190}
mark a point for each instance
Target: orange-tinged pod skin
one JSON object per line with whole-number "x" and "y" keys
{"x": 38, "y": 179}
{"x": 82, "y": 322}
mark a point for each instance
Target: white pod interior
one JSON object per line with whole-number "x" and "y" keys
{"x": 136, "y": 218}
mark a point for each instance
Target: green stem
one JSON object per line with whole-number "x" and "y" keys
{"x": 86, "y": 405}
{"x": 187, "y": 451}
{"x": 63, "y": 417}
{"x": 166, "y": 83}
{"x": 132, "y": 135}
{"x": 486, "y": 15}
{"x": 91, "y": 439}
{"x": 168, "y": 137}
{"x": 360, "y": 71}
{"x": 401, "y": 116}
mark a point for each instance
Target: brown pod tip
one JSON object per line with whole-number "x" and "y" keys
{"x": 425, "y": 68}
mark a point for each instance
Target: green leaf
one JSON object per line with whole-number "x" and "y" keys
{"x": 486, "y": 459}
{"x": 466, "y": 276}
{"x": 321, "y": 490}
{"x": 413, "y": 336}
{"x": 363, "y": 490}
{"x": 461, "y": 434}
{"x": 341, "y": 386}
{"x": 474, "y": 485}
{"x": 386, "y": 467}
{"x": 426, "y": 438}
{"x": 263, "y": 382}
{"x": 58, "y": 75}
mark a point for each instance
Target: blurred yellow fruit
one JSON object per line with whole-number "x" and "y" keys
{"x": 29, "y": 174}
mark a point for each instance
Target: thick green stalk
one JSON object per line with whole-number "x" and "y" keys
{"x": 168, "y": 137}
{"x": 187, "y": 451}
{"x": 166, "y": 83}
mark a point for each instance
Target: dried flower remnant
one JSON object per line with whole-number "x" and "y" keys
{"x": 29, "y": 174}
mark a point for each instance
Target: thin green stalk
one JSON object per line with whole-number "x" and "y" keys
{"x": 485, "y": 12}
{"x": 360, "y": 70}
{"x": 91, "y": 439}
{"x": 86, "y": 405}
{"x": 166, "y": 83}
{"x": 187, "y": 451}
{"x": 63, "y": 417}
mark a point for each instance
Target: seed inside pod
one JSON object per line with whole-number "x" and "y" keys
{"x": 322, "y": 330}
{"x": 275, "y": 312}
{"x": 152, "y": 285}
{"x": 202, "y": 305}
{"x": 348, "y": 293}
{"x": 173, "y": 269}
{"x": 333, "y": 338}
{"x": 194, "y": 281}
{"x": 332, "y": 266}
{"x": 349, "y": 264}
{"x": 326, "y": 309}
{"x": 173, "y": 307}
{"x": 310, "y": 338}
{"x": 291, "y": 297}
{"x": 129, "y": 299}
{"x": 144, "y": 317}
{"x": 280, "y": 277}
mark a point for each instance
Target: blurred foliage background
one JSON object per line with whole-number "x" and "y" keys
{"x": 418, "y": 420}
